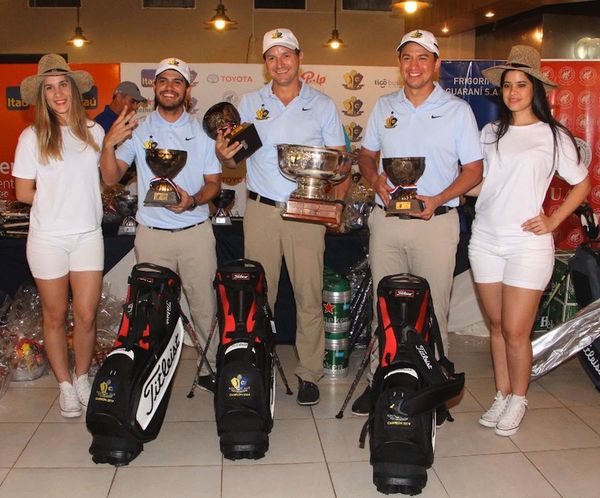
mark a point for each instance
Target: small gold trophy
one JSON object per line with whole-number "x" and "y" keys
{"x": 166, "y": 165}
{"x": 404, "y": 172}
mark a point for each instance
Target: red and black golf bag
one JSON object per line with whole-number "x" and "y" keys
{"x": 131, "y": 390}
{"x": 408, "y": 387}
{"x": 245, "y": 386}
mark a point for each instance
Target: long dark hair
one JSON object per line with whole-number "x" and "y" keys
{"x": 541, "y": 110}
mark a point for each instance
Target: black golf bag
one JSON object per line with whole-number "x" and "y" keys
{"x": 131, "y": 390}
{"x": 245, "y": 387}
{"x": 584, "y": 267}
{"x": 408, "y": 387}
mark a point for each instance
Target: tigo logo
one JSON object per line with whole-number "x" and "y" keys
{"x": 14, "y": 102}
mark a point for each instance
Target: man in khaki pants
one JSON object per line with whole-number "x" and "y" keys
{"x": 288, "y": 111}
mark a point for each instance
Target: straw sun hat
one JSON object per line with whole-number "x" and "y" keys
{"x": 521, "y": 58}
{"x": 53, "y": 65}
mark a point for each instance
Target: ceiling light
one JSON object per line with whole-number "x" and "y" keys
{"x": 538, "y": 35}
{"x": 335, "y": 41}
{"x": 489, "y": 14}
{"x": 410, "y": 7}
{"x": 78, "y": 39}
{"x": 445, "y": 29}
{"x": 220, "y": 21}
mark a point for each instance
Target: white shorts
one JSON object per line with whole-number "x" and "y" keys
{"x": 516, "y": 261}
{"x": 54, "y": 256}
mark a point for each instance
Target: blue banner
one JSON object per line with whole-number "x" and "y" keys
{"x": 465, "y": 80}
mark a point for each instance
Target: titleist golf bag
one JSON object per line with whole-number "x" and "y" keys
{"x": 131, "y": 390}
{"x": 408, "y": 386}
{"x": 245, "y": 388}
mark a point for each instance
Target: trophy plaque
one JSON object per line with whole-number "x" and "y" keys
{"x": 404, "y": 172}
{"x": 166, "y": 165}
{"x": 313, "y": 168}
{"x": 226, "y": 118}
{"x": 126, "y": 205}
{"x": 222, "y": 202}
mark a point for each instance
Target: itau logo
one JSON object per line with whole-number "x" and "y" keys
{"x": 14, "y": 102}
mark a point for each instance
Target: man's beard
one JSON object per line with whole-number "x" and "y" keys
{"x": 170, "y": 107}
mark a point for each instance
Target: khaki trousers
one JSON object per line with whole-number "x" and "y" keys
{"x": 423, "y": 248}
{"x": 192, "y": 255}
{"x": 268, "y": 238}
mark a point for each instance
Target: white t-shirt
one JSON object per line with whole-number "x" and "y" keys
{"x": 518, "y": 174}
{"x": 67, "y": 196}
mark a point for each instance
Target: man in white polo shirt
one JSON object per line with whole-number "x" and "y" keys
{"x": 287, "y": 110}
{"x": 422, "y": 120}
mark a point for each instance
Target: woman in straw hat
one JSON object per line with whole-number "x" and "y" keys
{"x": 511, "y": 249}
{"x": 56, "y": 171}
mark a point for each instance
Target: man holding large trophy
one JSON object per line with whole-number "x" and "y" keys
{"x": 421, "y": 151}
{"x": 178, "y": 173}
{"x": 302, "y": 137}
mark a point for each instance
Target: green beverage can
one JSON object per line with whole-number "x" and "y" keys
{"x": 336, "y": 308}
{"x": 335, "y": 362}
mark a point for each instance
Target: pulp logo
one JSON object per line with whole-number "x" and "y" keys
{"x": 240, "y": 276}
{"x": 313, "y": 78}
{"x": 565, "y": 98}
{"x": 404, "y": 293}
{"x": 566, "y": 75}
{"x": 588, "y": 76}
{"x": 14, "y": 102}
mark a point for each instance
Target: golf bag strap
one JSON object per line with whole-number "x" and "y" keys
{"x": 433, "y": 396}
{"x": 436, "y": 339}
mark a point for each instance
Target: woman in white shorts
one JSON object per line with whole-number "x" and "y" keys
{"x": 56, "y": 171}
{"x": 511, "y": 249}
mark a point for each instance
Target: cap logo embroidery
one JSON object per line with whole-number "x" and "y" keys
{"x": 277, "y": 34}
{"x": 173, "y": 62}
{"x": 417, "y": 34}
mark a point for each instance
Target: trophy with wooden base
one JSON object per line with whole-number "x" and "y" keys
{"x": 222, "y": 202}
{"x": 313, "y": 169}
{"x": 225, "y": 117}
{"x": 166, "y": 165}
{"x": 126, "y": 205}
{"x": 404, "y": 172}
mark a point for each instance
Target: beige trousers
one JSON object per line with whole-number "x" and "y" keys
{"x": 268, "y": 238}
{"x": 192, "y": 255}
{"x": 423, "y": 248}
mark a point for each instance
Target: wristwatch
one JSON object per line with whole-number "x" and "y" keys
{"x": 194, "y": 204}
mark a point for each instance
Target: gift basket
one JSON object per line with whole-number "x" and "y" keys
{"x": 14, "y": 219}
{"x": 359, "y": 202}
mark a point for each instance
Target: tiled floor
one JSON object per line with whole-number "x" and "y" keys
{"x": 312, "y": 454}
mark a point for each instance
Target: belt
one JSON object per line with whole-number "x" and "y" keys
{"x": 265, "y": 200}
{"x": 438, "y": 211}
{"x": 176, "y": 229}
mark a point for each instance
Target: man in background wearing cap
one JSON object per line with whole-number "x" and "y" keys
{"x": 288, "y": 111}
{"x": 175, "y": 236}
{"x": 126, "y": 94}
{"x": 419, "y": 120}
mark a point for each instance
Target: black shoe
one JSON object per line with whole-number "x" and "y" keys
{"x": 206, "y": 383}
{"x": 308, "y": 393}
{"x": 362, "y": 404}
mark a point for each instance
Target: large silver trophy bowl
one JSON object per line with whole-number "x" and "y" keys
{"x": 313, "y": 169}
{"x": 166, "y": 165}
{"x": 404, "y": 172}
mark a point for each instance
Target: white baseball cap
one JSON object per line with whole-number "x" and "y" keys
{"x": 423, "y": 38}
{"x": 176, "y": 65}
{"x": 280, "y": 36}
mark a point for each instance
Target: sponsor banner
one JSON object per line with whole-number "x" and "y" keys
{"x": 576, "y": 105}
{"x": 465, "y": 80}
{"x": 15, "y": 115}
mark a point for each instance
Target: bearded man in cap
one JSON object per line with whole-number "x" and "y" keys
{"x": 176, "y": 236}
{"x": 419, "y": 120}
{"x": 287, "y": 110}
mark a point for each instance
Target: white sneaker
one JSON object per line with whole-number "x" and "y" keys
{"x": 68, "y": 400}
{"x": 83, "y": 388}
{"x": 511, "y": 418}
{"x": 492, "y": 416}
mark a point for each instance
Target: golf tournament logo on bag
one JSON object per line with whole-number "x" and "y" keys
{"x": 239, "y": 386}
{"x": 107, "y": 391}
{"x": 159, "y": 379}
